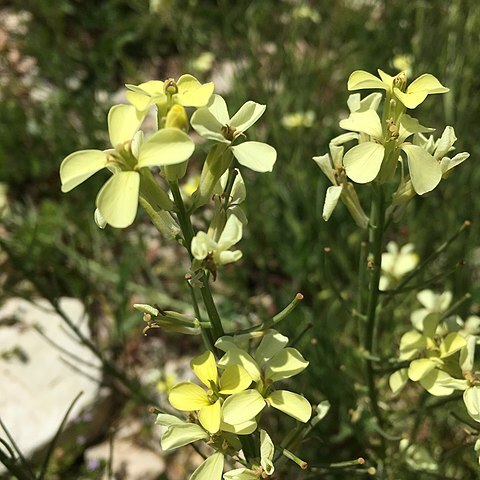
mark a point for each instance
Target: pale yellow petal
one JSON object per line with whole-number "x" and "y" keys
{"x": 79, "y": 166}
{"x": 205, "y": 368}
{"x": 188, "y": 397}
{"x": 117, "y": 201}
{"x": 234, "y": 379}
{"x": 210, "y": 417}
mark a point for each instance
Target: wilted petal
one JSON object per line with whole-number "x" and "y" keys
{"x": 205, "y": 368}
{"x": 326, "y": 166}
{"x": 285, "y": 364}
{"x": 257, "y": 156}
{"x": 79, "y": 166}
{"x": 425, "y": 171}
{"x": 248, "y": 114}
{"x": 292, "y": 404}
{"x": 363, "y": 162}
{"x": 360, "y": 80}
{"x": 168, "y": 146}
{"x": 243, "y": 406}
{"x": 182, "y": 434}
{"x": 210, "y": 469}
{"x": 267, "y": 449}
{"x": 210, "y": 417}
{"x": 445, "y": 143}
{"x": 123, "y": 122}
{"x": 331, "y": 199}
{"x": 471, "y": 397}
{"x": 118, "y": 199}
{"x": 447, "y": 164}
{"x": 191, "y": 93}
{"x": 187, "y": 397}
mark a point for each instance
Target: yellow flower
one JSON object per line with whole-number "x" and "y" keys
{"x": 189, "y": 397}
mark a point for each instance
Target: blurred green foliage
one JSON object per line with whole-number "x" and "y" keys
{"x": 295, "y": 56}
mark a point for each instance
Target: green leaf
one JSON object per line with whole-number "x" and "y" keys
{"x": 117, "y": 200}
{"x": 292, "y": 404}
{"x": 285, "y": 364}
{"x": 243, "y": 406}
{"x": 425, "y": 171}
{"x": 168, "y": 146}
{"x": 179, "y": 435}
{"x": 187, "y": 396}
{"x": 210, "y": 469}
{"x": 79, "y": 166}
{"x": 363, "y": 162}
{"x": 257, "y": 156}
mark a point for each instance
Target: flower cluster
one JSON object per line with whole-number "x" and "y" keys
{"x": 385, "y": 142}
{"x": 440, "y": 352}
{"x": 228, "y": 405}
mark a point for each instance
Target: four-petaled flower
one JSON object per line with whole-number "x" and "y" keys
{"x": 117, "y": 201}
{"x": 186, "y": 91}
{"x": 414, "y": 95}
{"x": 364, "y": 161}
{"x": 271, "y": 362}
{"x": 189, "y": 397}
{"x": 214, "y": 123}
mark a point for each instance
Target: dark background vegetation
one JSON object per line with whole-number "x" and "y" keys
{"x": 293, "y": 56}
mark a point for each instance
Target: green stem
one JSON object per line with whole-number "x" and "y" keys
{"x": 376, "y": 232}
{"x": 188, "y": 234}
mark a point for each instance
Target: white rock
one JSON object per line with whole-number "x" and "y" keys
{"x": 37, "y": 383}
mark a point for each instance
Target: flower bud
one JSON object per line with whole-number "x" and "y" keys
{"x": 176, "y": 118}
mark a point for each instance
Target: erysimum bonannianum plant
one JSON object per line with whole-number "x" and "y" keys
{"x": 224, "y": 408}
{"x": 388, "y": 151}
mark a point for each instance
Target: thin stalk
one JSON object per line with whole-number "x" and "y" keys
{"x": 23, "y": 461}
{"x": 376, "y": 232}
{"x": 52, "y": 444}
{"x": 466, "y": 224}
{"x": 277, "y": 318}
